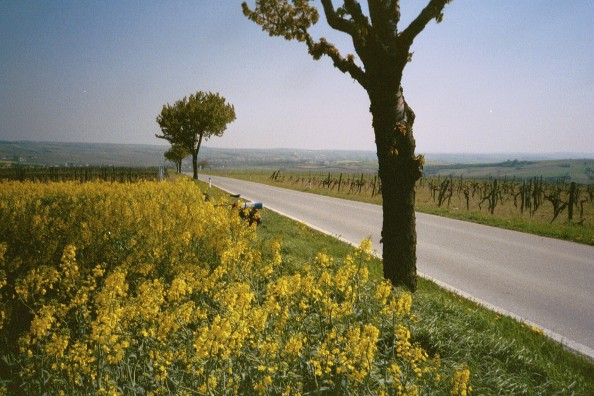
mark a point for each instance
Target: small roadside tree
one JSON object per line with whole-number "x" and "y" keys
{"x": 176, "y": 154}
{"x": 193, "y": 119}
{"x": 383, "y": 50}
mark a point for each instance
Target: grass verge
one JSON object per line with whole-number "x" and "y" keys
{"x": 505, "y": 357}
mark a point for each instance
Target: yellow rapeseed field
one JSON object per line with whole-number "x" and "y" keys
{"x": 148, "y": 288}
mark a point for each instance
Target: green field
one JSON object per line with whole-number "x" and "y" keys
{"x": 577, "y": 170}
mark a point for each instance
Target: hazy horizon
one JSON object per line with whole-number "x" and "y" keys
{"x": 165, "y": 145}
{"x": 493, "y": 77}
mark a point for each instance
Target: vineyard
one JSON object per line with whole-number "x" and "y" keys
{"x": 148, "y": 288}
{"x": 527, "y": 195}
{"x": 81, "y": 174}
{"x": 534, "y": 199}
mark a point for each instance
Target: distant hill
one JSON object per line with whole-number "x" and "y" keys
{"x": 26, "y": 153}
{"x": 568, "y": 170}
{"x": 577, "y": 167}
{"x": 474, "y": 158}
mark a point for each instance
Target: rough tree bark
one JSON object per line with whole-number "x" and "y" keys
{"x": 399, "y": 166}
{"x": 399, "y": 169}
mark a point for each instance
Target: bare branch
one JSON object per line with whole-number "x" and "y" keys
{"x": 385, "y": 16}
{"x": 376, "y": 12}
{"x": 393, "y": 7}
{"x": 354, "y": 9}
{"x": 434, "y": 10}
{"x": 335, "y": 21}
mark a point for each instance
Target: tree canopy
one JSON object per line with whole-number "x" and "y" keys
{"x": 176, "y": 154}
{"x": 193, "y": 119}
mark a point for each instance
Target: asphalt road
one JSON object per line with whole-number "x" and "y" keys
{"x": 542, "y": 281}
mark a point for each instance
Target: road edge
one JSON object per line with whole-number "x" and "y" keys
{"x": 566, "y": 343}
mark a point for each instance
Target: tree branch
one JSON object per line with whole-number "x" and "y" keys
{"x": 385, "y": 16}
{"x": 280, "y": 18}
{"x": 393, "y": 7}
{"x": 376, "y": 12}
{"x": 344, "y": 64}
{"x": 354, "y": 9}
{"x": 433, "y": 10}
{"x": 335, "y": 21}
{"x": 292, "y": 21}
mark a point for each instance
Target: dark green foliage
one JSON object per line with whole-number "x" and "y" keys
{"x": 176, "y": 154}
{"x": 193, "y": 119}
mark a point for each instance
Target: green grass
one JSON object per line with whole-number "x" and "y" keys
{"x": 505, "y": 216}
{"x": 573, "y": 232}
{"x": 505, "y": 357}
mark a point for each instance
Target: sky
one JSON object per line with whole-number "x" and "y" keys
{"x": 493, "y": 77}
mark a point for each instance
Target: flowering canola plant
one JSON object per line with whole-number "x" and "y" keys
{"x": 147, "y": 288}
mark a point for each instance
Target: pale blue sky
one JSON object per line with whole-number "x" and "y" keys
{"x": 495, "y": 76}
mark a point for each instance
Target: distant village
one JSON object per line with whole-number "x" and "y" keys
{"x": 8, "y": 161}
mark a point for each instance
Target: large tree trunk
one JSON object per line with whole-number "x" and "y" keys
{"x": 399, "y": 169}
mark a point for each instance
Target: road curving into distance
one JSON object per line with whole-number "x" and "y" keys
{"x": 542, "y": 281}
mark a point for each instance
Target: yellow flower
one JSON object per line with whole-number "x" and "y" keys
{"x": 57, "y": 345}
{"x": 186, "y": 290}
{"x": 322, "y": 260}
{"x": 383, "y": 291}
{"x": 261, "y": 386}
{"x": 460, "y": 382}
{"x": 43, "y": 321}
{"x": 295, "y": 344}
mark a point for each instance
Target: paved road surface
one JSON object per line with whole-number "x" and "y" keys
{"x": 543, "y": 281}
